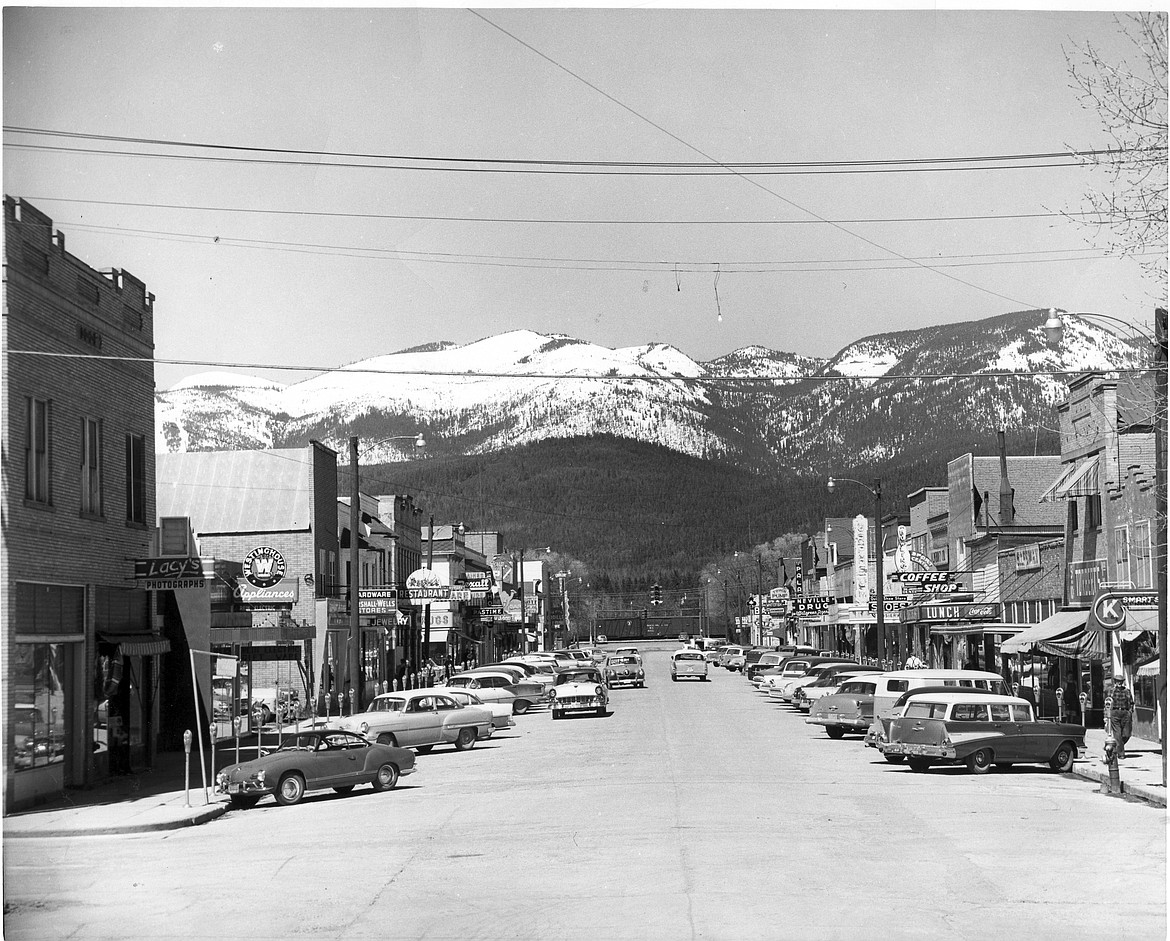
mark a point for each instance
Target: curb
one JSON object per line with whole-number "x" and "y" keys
{"x": 1143, "y": 792}
{"x": 195, "y": 819}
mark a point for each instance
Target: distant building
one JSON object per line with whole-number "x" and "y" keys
{"x": 79, "y": 658}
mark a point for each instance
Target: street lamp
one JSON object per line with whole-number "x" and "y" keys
{"x": 1054, "y": 333}
{"x": 876, "y": 492}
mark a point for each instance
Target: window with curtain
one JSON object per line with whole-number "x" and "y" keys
{"x": 1141, "y": 558}
{"x": 136, "y": 478}
{"x": 1121, "y": 553}
{"x": 38, "y": 451}
{"x": 91, "y": 466}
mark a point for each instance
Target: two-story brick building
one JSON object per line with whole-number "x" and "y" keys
{"x": 79, "y": 658}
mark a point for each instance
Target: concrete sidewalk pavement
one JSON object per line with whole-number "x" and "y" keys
{"x": 158, "y": 800}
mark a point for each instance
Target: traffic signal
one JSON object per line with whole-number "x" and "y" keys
{"x": 656, "y": 594}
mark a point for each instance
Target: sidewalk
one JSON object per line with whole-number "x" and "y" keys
{"x": 156, "y": 799}
{"x": 1140, "y": 771}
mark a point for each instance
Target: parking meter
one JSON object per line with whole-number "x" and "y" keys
{"x": 1060, "y": 703}
{"x": 238, "y": 724}
{"x": 1084, "y": 698}
{"x": 187, "y": 767}
{"x": 213, "y": 734}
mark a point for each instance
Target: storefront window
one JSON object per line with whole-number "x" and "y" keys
{"x": 41, "y": 706}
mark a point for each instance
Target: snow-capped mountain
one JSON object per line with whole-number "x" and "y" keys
{"x": 755, "y": 406}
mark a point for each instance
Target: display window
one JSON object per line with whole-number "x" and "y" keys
{"x": 41, "y": 704}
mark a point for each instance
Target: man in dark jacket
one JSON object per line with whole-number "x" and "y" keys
{"x": 1120, "y": 714}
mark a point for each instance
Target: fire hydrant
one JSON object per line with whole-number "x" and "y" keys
{"x": 1113, "y": 784}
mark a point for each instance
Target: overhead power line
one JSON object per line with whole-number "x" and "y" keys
{"x": 479, "y": 163}
{"x": 752, "y": 182}
{"x": 1031, "y": 373}
{"x": 990, "y": 217}
{"x": 595, "y": 264}
{"x": 719, "y": 171}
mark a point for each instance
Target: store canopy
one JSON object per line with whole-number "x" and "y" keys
{"x": 1064, "y": 635}
{"x": 136, "y": 645}
{"x": 1079, "y": 480}
{"x": 977, "y": 627}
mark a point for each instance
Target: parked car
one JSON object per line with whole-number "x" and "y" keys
{"x": 752, "y": 656}
{"x": 310, "y": 761}
{"x": 981, "y": 732}
{"x": 733, "y": 657}
{"x": 625, "y": 669}
{"x": 713, "y": 653}
{"x": 786, "y": 689}
{"x": 500, "y": 709}
{"x": 602, "y": 639}
{"x": 793, "y": 666}
{"x": 890, "y": 686}
{"x": 627, "y": 652}
{"x": 420, "y": 719}
{"x": 574, "y": 653}
{"x": 527, "y": 694}
{"x": 689, "y": 663}
{"x": 827, "y": 684}
{"x": 878, "y": 732}
{"x": 579, "y": 690}
{"x": 849, "y": 709}
{"x": 770, "y": 658}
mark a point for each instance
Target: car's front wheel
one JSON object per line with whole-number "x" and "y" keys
{"x": 918, "y": 764}
{"x": 895, "y": 759}
{"x": 387, "y": 739}
{"x": 423, "y": 749}
{"x": 1062, "y": 761}
{"x": 465, "y": 739}
{"x": 520, "y": 706}
{"x": 386, "y": 778}
{"x": 980, "y": 761}
{"x": 290, "y": 790}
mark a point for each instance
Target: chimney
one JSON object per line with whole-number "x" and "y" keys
{"x": 1007, "y": 495}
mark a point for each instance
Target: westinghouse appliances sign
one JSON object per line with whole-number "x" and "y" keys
{"x": 263, "y": 579}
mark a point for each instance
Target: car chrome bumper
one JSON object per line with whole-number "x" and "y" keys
{"x": 914, "y": 749}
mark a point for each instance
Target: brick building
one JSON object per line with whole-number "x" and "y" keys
{"x": 78, "y": 506}
{"x": 273, "y": 514}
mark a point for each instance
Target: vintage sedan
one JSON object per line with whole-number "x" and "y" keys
{"x": 786, "y": 689}
{"x": 309, "y": 761}
{"x": 688, "y": 662}
{"x": 579, "y": 690}
{"x": 849, "y": 709}
{"x": 499, "y": 684}
{"x": 826, "y": 684}
{"x": 420, "y": 719}
{"x": 981, "y": 732}
{"x": 625, "y": 669}
{"x": 501, "y": 711}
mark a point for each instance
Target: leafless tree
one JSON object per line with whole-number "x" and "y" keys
{"x": 1130, "y": 98}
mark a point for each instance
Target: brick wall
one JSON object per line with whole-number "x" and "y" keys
{"x": 55, "y": 303}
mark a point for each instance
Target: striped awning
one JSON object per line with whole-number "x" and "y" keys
{"x": 1063, "y": 634}
{"x": 1081, "y": 479}
{"x": 137, "y": 645}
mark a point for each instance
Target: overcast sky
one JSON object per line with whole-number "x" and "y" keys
{"x": 314, "y": 287}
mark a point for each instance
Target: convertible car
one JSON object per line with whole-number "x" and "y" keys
{"x": 981, "y": 732}
{"x": 309, "y": 761}
{"x": 420, "y": 719}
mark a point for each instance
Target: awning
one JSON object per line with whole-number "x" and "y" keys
{"x": 1064, "y": 635}
{"x": 977, "y": 627}
{"x": 1153, "y": 668}
{"x": 136, "y": 645}
{"x": 1079, "y": 480}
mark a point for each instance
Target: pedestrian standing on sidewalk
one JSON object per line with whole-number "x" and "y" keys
{"x": 1121, "y": 714}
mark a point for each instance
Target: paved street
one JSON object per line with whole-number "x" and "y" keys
{"x": 695, "y": 810}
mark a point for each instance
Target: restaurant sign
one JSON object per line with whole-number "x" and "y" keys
{"x": 960, "y": 611}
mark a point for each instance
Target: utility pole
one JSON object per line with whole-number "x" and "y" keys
{"x": 523, "y": 613}
{"x": 355, "y": 628}
{"x": 881, "y": 575}
{"x": 760, "y": 600}
{"x": 1160, "y": 506}
{"x": 426, "y": 650}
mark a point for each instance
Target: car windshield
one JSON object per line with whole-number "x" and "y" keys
{"x": 459, "y": 681}
{"x": 300, "y": 743}
{"x": 620, "y": 660}
{"x": 578, "y": 676}
{"x": 383, "y": 704}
